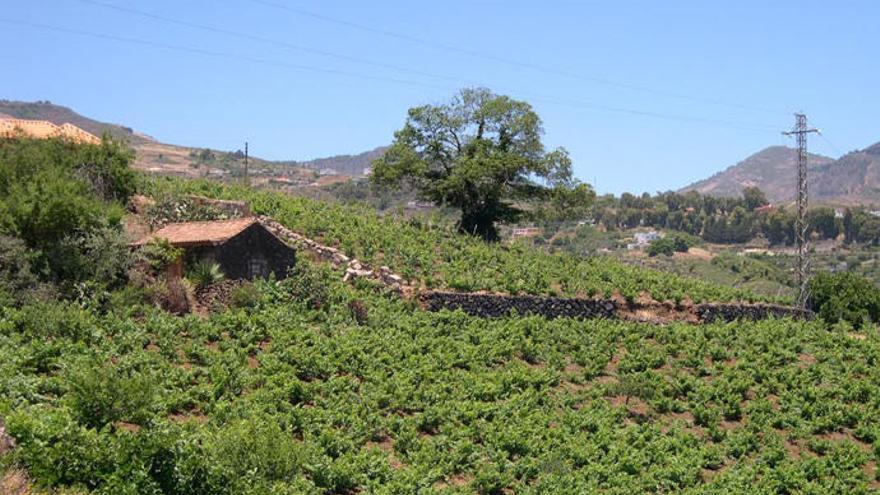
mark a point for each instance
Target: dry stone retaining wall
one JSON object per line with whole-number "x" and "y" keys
{"x": 496, "y": 305}
{"x": 712, "y": 312}
{"x": 354, "y": 268}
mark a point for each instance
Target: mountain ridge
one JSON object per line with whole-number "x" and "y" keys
{"x": 159, "y": 157}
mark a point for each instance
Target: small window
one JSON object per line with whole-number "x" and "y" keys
{"x": 258, "y": 268}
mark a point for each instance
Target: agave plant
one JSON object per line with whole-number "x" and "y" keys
{"x": 205, "y": 273}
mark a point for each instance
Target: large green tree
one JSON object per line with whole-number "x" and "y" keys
{"x": 481, "y": 153}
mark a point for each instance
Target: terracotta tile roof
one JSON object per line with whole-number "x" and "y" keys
{"x": 192, "y": 234}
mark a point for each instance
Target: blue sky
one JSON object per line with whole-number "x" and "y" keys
{"x": 735, "y": 70}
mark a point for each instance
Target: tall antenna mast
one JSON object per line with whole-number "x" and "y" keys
{"x": 800, "y": 131}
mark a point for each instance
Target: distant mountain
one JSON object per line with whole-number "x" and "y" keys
{"x": 853, "y": 179}
{"x": 58, "y": 115}
{"x": 772, "y": 169}
{"x": 350, "y": 165}
{"x": 152, "y": 155}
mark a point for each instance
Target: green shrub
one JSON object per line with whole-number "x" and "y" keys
{"x": 665, "y": 246}
{"x": 245, "y": 296}
{"x": 307, "y": 283}
{"x": 205, "y": 273}
{"x": 171, "y": 294}
{"x": 176, "y": 208}
{"x": 16, "y": 277}
{"x": 52, "y": 190}
{"x": 845, "y": 296}
{"x": 160, "y": 254}
{"x": 101, "y": 394}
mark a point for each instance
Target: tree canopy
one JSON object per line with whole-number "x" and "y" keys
{"x": 56, "y": 195}
{"x": 481, "y": 153}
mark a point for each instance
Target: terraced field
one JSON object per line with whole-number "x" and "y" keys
{"x": 439, "y": 258}
{"x": 312, "y": 385}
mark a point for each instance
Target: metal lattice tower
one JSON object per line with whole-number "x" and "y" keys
{"x": 802, "y": 269}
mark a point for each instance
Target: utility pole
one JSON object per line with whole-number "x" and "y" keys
{"x": 247, "y": 180}
{"x": 800, "y": 131}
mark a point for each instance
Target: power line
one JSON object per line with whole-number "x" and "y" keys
{"x": 267, "y": 40}
{"x": 300, "y": 67}
{"x": 508, "y": 61}
{"x": 211, "y": 53}
{"x": 535, "y": 96}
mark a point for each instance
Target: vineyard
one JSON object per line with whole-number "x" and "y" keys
{"x": 291, "y": 396}
{"x": 438, "y": 258}
{"x": 312, "y": 385}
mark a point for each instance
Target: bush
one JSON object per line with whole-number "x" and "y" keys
{"x": 174, "y": 209}
{"x": 664, "y": 246}
{"x": 16, "y": 277}
{"x": 101, "y": 394}
{"x": 245, "y": 296}
{"x": 171, "y": 294}
{"x": 845, "y": 296}
{"x": 205, "y": 273}
{"x": 160, "y": 254}
{"x": 99, "y": 257}
{"x": 51, "y": 190}
{"x": 308, "y": 284}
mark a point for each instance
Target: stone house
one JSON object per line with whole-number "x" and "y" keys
{"x": 243, "y": 247}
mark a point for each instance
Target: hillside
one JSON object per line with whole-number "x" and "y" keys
{"x": 316, "y": 386}
{"x": 772, "y": 169}
{"x": 58, "y": 115}
{"x": 435, "y": 257}
{"x": 350, "y": 165}
{"x": 154, "y": 156}
{"x": 853, "y": 179}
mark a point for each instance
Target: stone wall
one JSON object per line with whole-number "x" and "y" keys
{"x": 353, "y": 267}
{"x": 232, "y": 209}
{"x": 712, "y": 312}
{"x": 496, "y": 305}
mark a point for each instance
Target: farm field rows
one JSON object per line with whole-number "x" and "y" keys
{"x": 280, "y": 398}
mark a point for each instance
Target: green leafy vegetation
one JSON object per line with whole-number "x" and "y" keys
{"x": 281, "y": 398}
{"x": 668, "y": 246}
{"x": 437, "y": 257}
{"x": 64, "y": 202}
{"x": 845, "y": 296}
{"x": 478, "y": 153}
{"x": 205, "y": 273}
{"x": 728, "y": 220}
{"x": 310, "y": 385}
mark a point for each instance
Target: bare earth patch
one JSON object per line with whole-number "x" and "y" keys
{"x": 15, "y": 482}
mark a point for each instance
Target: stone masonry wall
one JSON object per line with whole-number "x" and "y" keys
{"x": 497, "y": 305}
{"x": 712, "y": 312}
